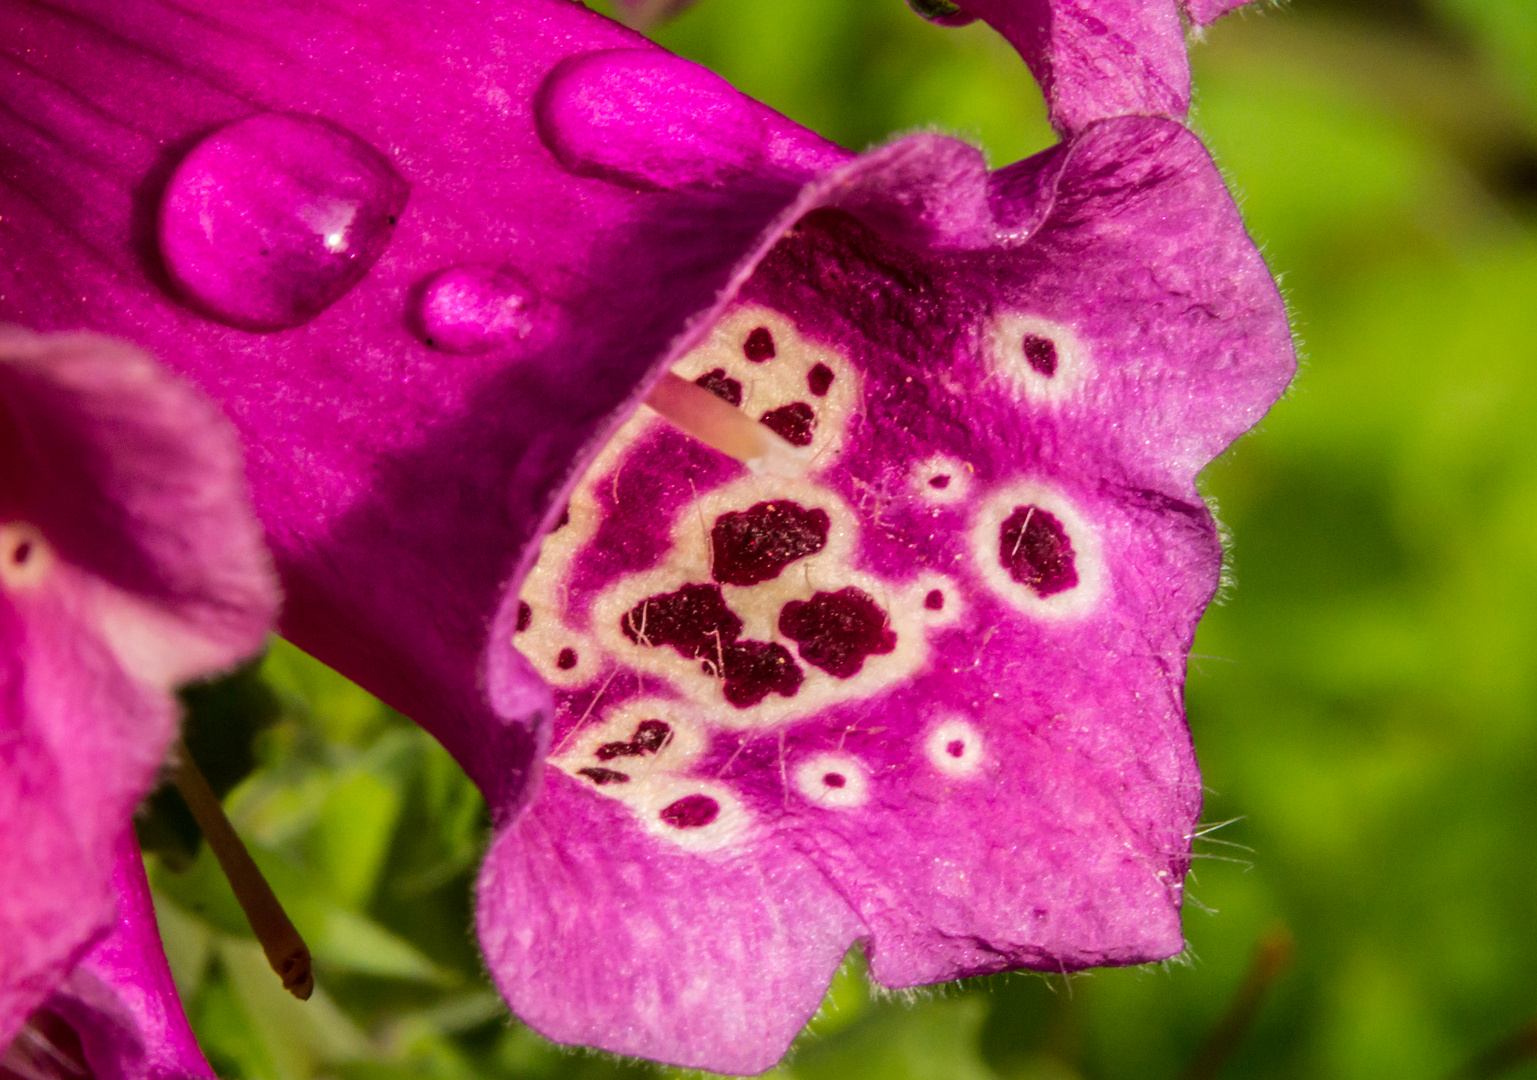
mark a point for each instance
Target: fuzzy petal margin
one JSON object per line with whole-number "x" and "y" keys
{"x": 1071, "y": 854}
{"x": 405, "y": 487}
{"x": 1097, "y": 59}
{"x": 120, "y": 999}
{"x": 132, "y": 564}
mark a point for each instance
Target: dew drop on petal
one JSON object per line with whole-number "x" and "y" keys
{"x": 272, "y": 219}
{"x": 474, "y": 309}
{"x": 646, "y": 119}
{"x": 691, "y": 812}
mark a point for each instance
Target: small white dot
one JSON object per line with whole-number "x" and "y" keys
{"x": 954, "y": 747}
{"x": 836, "y": 781}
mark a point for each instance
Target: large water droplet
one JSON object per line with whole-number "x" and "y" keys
{"x": 474, "y": 309}
{"x": 647, "y": 119}
{"x": 270, "y": 220}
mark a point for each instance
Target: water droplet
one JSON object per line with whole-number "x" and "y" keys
{"x": 474, "y": 309}
{"x": 647, "y": 119}
{"x": 272, "y": 219}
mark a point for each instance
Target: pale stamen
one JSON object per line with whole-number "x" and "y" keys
{"x": 721, "y": 426}
{"x": 285, "y": 949}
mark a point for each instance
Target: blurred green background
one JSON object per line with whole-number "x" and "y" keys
{"x": 1363, "y": 700}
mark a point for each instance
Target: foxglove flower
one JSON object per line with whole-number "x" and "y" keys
{"x": 117, "y": 1015}
{"x": 925, "y": 694}
{"x": 1095, "y": 59}
{"x": 129, "y": 563}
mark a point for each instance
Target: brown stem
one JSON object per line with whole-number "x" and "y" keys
{"x": 285, "y": 949}
{"x": 1271, "y": 957}
{"x": 1516, "y": 1049}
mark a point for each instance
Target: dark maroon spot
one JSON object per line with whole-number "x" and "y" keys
{"x": 650, "y": 736}
{"x": 721, "y": 385}
{"x": 833, "y": 779}
{"x": 793, "y": 422}
{"x": 525, "y": 615}
{"x": 935, "y": 601}
{"x": 691, "y": 812}
{"x": 955, "y": 748}
{"x": 563, "y": 520}
{"x": 21, "y": 553}
{"x": 759, "y": 345}
{"x": 1042, "y": 354}
{"x": 755, "y": 544}
{"x": 694, "y": 620}
{"x": 836, "y": 631}
{"x": 1033, "y": 547}
{"x": 566, "y": 660}
{"x": 755, "y": 669}
{"x": 818, "y": 379}
{"x": 602, "y": 776}
{"x": 939, "y": 483}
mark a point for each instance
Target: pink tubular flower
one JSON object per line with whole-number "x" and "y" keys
{"x": 1096, "y": 59}
{"x": 129, "y": 563}
{"x": 117, "y": 1015}
{"x": 924, "y": 693}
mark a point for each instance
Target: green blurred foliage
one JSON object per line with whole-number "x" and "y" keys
{"x": 1363, "y": 700}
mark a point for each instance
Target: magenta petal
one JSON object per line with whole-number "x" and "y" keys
{"x": 597, "y": 935}
{"x": 129, "y": 562}
{"x": 355, "y": 417}
{"x": 1105, "y": 58}
{"x": 1022, "y": 373}
{"x": 120, "y": 1000}
{"x": 1206, "y": 12}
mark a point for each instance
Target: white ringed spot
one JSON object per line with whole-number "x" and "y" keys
{"x": 834, "y": 781}
{"x": 954, "y": 747}
{"x": 1037, "y": 515}
{"x": 1043, "y": 360}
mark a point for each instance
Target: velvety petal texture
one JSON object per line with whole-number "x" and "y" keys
{"x": 1096, "y": 59}
{"x": 935, "y": 682}
{"x": 926, "y": 695}
{"x": 406, "y": 444}
{"x": 117, "y": 1015}
{"x": 130, "y": 562}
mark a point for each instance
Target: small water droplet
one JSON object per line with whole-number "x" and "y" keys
{"x": 272, "y": 219}
{"x": 474, "y": 309}
{"x": 647, "y": 119}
